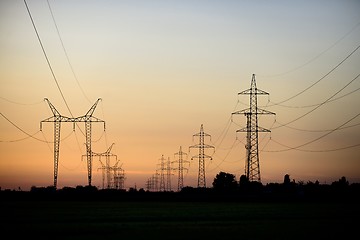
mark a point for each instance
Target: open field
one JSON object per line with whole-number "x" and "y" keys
{"x": 53, "y": 219}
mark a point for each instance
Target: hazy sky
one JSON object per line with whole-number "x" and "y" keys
{"x": 163, "y": 68}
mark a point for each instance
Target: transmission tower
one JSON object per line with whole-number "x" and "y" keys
{"x": 118, "y": 176}
{"x": 180, "y": 168}
{"x": 162, "y": 170}
{"x": 105, "y": 167}
{"x": 252, "y": 164}
{"x": 201, "y": 156}
{"x": 168, "y": 175}
{"x": 155, "y": 181}
{"x": 149, "y": 185}
{"x": 57, "y": 119}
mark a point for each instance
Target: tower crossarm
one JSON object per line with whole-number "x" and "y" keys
{"x": 201, "y": 134}
{"x": 53, "y": 109}
{"x": 201, "y": 146}
{"x": 202, "y": 156}
{"x": 253, "y": 91}
{"x": 259, "y": 129}
{"x": 249, "y": 112}
{"x": 92, "y": 109}
{"x": 57, "y": 117}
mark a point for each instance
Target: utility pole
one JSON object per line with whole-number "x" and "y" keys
{"x": 180, "y": 168}
{"x": 57, "y": 119}
{"x": 201, "y": 156}
{"x": 252, "y": 164}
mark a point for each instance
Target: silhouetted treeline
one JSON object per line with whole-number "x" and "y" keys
{"x": 224, "y": 187}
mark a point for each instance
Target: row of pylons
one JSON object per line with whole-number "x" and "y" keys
{"x": 115, "y": 175}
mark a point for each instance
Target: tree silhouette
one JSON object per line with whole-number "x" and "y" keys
{"x": 287, "y": 179}
{"x": 243, "y": 181}
{"x": 225, "y": 182}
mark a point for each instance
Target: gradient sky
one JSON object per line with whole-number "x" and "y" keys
{"x": 163, "y": 68}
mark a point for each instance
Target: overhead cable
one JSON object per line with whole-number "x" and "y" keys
{"x": 66, "y": 54}
{"x": 312, "y": 85}
{"x": 317, "y": 56}
{"x": 326, "y": 101}
{"x": 316, "y": 139}
{"x": 47, "y": 59}
{"x": 306, "y": 150}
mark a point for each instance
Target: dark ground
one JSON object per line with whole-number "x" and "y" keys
{"x": 171, "y": 216}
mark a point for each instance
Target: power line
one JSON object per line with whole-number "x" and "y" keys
{"x": 18, "y": 103}
{"x": 304, "y": 150}
{"x": 21, "y": 139}
{"x": 326, "y": 101}
{"x": 235, "y": 143}
{"x": 47, "y": 59}
{"x": 23, "y": 131}
{"x": 312, "y": 85}
{"x": 316, "y": 139}
{"x": 67, "y": 56}
{"x": 317, "y": 104}
{"x": 323, "y": 130}
{"x": 317, "y": 56}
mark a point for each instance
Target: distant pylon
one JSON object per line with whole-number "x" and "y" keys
{"x": 118, "y": 176}
{"x": 155, "y": 181}
{"x": 151, "y": 183}
{"x": 168, "y": 175}
{"x": 201, "y": 156}
{"x": 162, "y": 173}
{"x": 252, "y": 164}
{"x": 180, "y": 161}
{"x": 105, "y": 167}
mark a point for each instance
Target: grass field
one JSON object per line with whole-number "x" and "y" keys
{"x": 178, "y": 220}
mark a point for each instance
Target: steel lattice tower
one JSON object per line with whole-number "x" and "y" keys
{"x": 162, "y": 174}
{"x": 105, "y": 167}
{"x": 118, "y": 176}
{"x": 252, "y": 164}
{"x": 180, "y": 168}
{"x": 57, "y": 119}
{"x": 201, "y": 156}
{"x": 168, "y": 175}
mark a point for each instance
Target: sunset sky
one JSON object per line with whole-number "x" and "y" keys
{"x": 163, "y": 68}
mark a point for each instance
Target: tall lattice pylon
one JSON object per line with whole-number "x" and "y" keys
{"x": 201, "y": 156}
{"x": 57, "y": 119}
{"x": 252, "y": 163}
{"x": 180, "y": 161}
